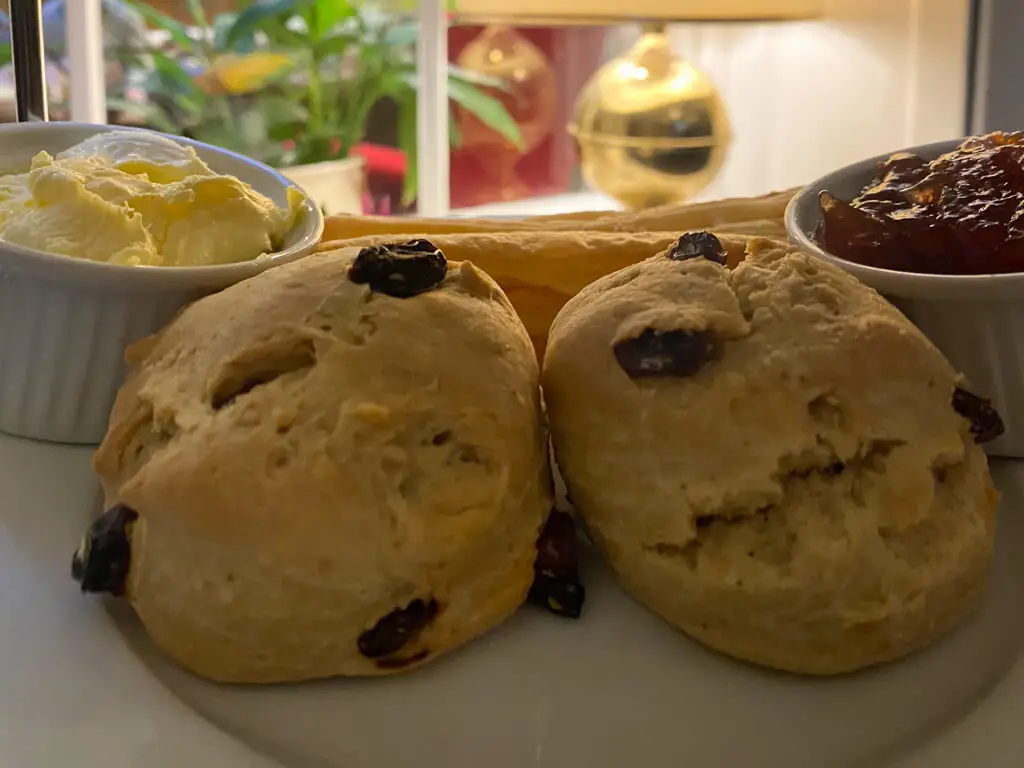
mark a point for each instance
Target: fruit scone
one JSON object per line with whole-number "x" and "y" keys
{"x": 772, "y": 458}
{"x": 338, "y": 467}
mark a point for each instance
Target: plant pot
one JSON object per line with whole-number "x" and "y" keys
{"x": 336, "y": 185}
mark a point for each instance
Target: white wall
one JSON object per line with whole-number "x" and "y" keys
{"x": 806, "y": 97}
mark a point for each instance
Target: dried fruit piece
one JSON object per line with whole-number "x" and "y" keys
{"x": 556, "y": 545}
{"x": 563, "y": 596}
{"x": 401, "y": 270}
{"x": 556, "y": 584}
{"x": 986, "y": 425}
{"x": 666, "y": 353}
{"x": 392, "y": 632}
{"x": 101, "y": 562}
{"x": 695, "y": 245}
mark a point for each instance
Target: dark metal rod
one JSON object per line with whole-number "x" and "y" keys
{"x": 28, "y": 59}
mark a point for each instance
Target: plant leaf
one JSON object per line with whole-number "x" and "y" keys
{"x": 184, "y": 90}
{"x": 455, "y": 72}
{"x": 454, "y": 131}
{"x": 316, "y": 148}
{"x": 219, "y": 135}
{"x": 173, "y": 27}
{"x": 195, "y": 10}
{"x": 150, "y": 113}
{"x": 407, "y": 143}
{"x": 279, "y": 109}
{"x": 325, "y": 15}
{"x": 221, "y": 25}
{"x": 402, "y": 35}
{"x": 335, "y": 45}
{"x": 241, "y": 74}
{"x": 400, "y": 7}
{"x": 393, "y": 82}
{"x": 487, "y": 109}
{"x": 252, "y": 129}
{"x": 264, "y": 16}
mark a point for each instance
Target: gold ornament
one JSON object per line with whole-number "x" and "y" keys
{"x": 651, "y": 128}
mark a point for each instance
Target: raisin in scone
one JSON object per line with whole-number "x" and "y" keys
{"x": 335, "y": 468}
{"x": 772, "y": 458}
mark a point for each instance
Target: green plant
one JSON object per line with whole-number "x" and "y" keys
{"x": 293, "y": 81}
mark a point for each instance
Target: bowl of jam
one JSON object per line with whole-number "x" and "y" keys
{"x": 939, "y": 231}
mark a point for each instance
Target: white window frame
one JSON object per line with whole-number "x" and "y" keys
{"x": 84, "y": 32}
{"x": 432, "y": 148}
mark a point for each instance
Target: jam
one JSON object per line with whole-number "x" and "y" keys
{"x": 960, "y": 214}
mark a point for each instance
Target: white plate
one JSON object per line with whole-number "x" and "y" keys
{"x": 79, "y": 682}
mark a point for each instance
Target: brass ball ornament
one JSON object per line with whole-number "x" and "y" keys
{"x": 651, "y": 128}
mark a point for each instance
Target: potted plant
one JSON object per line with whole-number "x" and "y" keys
{"x": 292, "y": 83}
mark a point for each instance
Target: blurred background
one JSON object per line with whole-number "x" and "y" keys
{"x": 552, "y": 107}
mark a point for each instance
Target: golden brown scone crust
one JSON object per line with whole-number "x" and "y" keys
{"x": 809, "y": 501}
{"x": 729, "y": 214}
{"x": 307, "y": 456}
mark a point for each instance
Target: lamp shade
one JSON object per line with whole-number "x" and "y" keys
{"x": 609, "y": 11}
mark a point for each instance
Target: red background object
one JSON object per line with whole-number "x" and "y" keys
{"x": 574, "y": 53}
{"x": 388, "y": 161}
{"x": 385, "y": 173}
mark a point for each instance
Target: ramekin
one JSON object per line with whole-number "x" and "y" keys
{"x": 976, "y": 320}
{"x": 65, "y": 322}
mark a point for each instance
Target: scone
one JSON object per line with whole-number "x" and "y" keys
{"x": 772, "y": 458}
{"x": 337, "y": 467}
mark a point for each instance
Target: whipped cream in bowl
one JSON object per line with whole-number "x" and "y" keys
{"x": 105, "y": 234}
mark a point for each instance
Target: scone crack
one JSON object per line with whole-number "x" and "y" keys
{"x": 469, "y": 281}
{"x": 823, "y": 465}
{"x": 742, "y": 294}
{"x": 144, "y": 436}
{"x": 365, "y": 327}
{"x": 825, "y": 459}
{"x": 260, "y": 366}
{"x": 786, "y": 282}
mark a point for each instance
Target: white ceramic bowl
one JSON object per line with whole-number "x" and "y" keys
{"x": 976, "y": 320}
{"x": 65, "y": 322}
